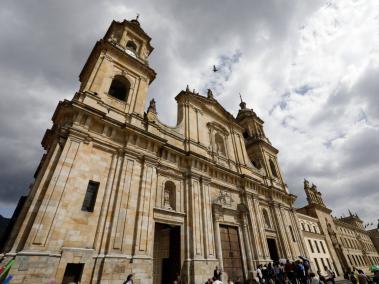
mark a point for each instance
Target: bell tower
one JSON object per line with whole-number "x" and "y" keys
{"x": 261, "y": 153}
{"x": 117, "y": 73}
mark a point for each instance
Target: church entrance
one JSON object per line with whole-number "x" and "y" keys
{"x": 271, "y": 243}
{"x": 166, "y": 253}
{"x": 231, "y": 252}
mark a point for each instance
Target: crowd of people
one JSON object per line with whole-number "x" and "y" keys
{"x": 287, "y": 272}
{"x": 296, "y": 272}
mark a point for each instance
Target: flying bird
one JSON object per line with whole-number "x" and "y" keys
{"x": 214, "y": 68}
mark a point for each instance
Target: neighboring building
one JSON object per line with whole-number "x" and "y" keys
{"x": 345, "y": 241}
{"x": 374, "y": 236}
{"x": 357, "y": 246}
{"x": 315, "y": 241}
{"x": 119, "y": 192}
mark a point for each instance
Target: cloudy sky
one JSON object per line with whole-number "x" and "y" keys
{"x": 309, "y": 69}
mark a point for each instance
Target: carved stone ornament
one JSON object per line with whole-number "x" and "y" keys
{"x": 224, "y": 199}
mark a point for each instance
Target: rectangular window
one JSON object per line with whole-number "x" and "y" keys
{"x": 310, "y": 245}
{"x": 318, "y": 266}
{"x": 323, "y": 263}
{"x": 330, "y": 267}
{"x": 318, "y": 249}
{"x": 293, "y": 236}
{"x": 90, "y": 197}
{"x": 322, "y": 247}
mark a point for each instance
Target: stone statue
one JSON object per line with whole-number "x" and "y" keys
{"x": 166, "y": 199}
{"x": 210, "y": 94}
{"x": 152, "y": 106}
{"x": 306, "y": 183}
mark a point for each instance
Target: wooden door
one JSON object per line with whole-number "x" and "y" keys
{"x": 231, "y": 252}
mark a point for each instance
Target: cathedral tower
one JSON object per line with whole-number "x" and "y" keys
{"x": 117, "y": 73}
{"x": 259, "y": 148}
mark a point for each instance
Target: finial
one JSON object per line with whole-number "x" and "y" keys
{"x": 242, "y": 104}
{"x": 351, "y": 214}
{"x": 187, "y": 89}
{"x": 137, "y": 17}
{"x": 210, "y": 94}
{"x": 306, "y": 184}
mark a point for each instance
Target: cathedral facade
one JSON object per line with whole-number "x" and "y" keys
{"x": 119, "y": 192}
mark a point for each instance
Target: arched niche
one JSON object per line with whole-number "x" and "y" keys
{"x": 119, "y": 88}
{"x": 169, "y": 195}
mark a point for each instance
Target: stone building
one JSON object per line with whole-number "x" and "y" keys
{"x": 119, "y": 192}
{"x": 315, "y": 241}
{"x": 343, "y": 242}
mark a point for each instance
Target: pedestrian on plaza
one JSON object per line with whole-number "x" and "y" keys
{"x": 330, "y": 276}
{"x": 129, "y": 279}
{"x": 270, "y": 274}
{"x": 210, "y": 281}
{"x": 216, "y": 281}
{"x": 259, "y": 273}
{"x": 354, "y": 276}
{"x": 217, "y": 273}
{"x": 375, "y": 279}
{"x": 307, "y": 267}
{"x": 362, "y": 279}
{"x": 313, "y": 278}
{"x": 321, "y": 277}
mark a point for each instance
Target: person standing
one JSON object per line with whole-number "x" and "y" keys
{"x": 313, "y": 278}
{"x": 217, "y": 273}
{"x": 129, "y": 279}
{"x": 259, "y": 273}
{"x": 362, "y": 279}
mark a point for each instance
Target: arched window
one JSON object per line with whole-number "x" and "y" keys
{"x": 169, "y": 198}
{"x": 131, "y": 45}
{"x": 220, "y": 146}
{"x": 119, "y": 88}
{"x": 266, "y": 218}
{"x": 273, "y": 170}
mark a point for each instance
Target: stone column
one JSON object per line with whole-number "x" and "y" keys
{"x": 209, "y": 250}
{"x": 52, "y": 197}
{"x": 144, "y": 235}
{"x": 216, "y": 215}
{"x": 263, "y": 249}
{"x": 282, "y": 231}
{"x": 246, "y": 238}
